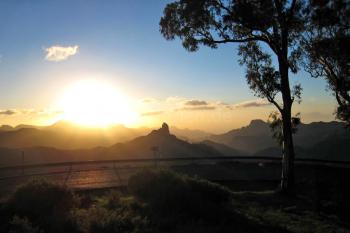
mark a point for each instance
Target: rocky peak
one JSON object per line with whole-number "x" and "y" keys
{"x": 165, "y": 128}
{"x": 163, "y": 131}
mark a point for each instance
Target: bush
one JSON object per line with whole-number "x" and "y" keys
{"x": 174, "y": 198}
{"x": 43, "y": 203}
{"x": 103, "y": 219}
{"x": 22, "y": 225}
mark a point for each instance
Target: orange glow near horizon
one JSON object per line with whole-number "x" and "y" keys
{"x": 96, "y": 104}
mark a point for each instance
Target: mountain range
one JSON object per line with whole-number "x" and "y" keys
{"x": 65, "y": 135}
{"x": 160, "y": 143}
{"x": 321, "y": 140}
{"x": 66, "y": 142}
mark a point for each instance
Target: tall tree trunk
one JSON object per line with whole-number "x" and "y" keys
{"x": 287, "y": 180}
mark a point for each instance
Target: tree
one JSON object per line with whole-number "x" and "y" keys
{"x": 327, "y": 50}
{"x": 252, "y": 23}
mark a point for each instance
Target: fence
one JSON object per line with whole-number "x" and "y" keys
{"x": 103, "y": 173}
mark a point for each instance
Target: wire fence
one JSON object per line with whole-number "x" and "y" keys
{"x": 108, "y": 173}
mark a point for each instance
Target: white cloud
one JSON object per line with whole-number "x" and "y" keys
{"x": 60, "y": 53}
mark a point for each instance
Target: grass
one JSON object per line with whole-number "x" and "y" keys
{"x": 292, "y": 214}
{"x": 161, "y": 201}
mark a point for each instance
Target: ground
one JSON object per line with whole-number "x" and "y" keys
{"x": 166, "y": 201}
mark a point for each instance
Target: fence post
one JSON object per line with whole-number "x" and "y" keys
{"x": 22, "y": 163}
{"x": 68, "y": 175}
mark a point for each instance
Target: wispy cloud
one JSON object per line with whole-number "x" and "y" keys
{"x": 8, "y": 112}
{"x": 252, "y": 103}
{"x": 196, "y": 108}
{"x": 60, "y": 53}
{"x": 196, "y": 103}
{"x": 152, "y": 113}
{"x": 176, "y": 104}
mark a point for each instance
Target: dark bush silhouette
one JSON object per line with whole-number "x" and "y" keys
{"x": 45, "y": 204}
{"x": 22, "y": 225}
{"x": 172, "y": 198}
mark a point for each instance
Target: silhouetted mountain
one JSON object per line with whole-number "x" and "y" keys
{"x": 223, "y": 149}
{"x": 190, "y": 135}
{"x": 277, "y": 152}
{"x": 65, "y": 135}
{"x": 6, "y": 128}
{"x": 334, "y": 147}
{"x": 254, "y": 137}
{"x": 316, "y": 140}
{"x": 257, "y": 135}
{"x": 166, "y": 144}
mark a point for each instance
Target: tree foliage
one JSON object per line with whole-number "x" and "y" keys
{"x": 249, "y": 22}
{"x": 326, "y": 44}
{"x": 275, "y": 122}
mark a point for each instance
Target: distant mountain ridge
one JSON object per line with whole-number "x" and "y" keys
{"x": 257, "y": 135}
{"x": 65, "y": 135}
{"x": 63, "y": 142}
{"x": 167, "y": 146}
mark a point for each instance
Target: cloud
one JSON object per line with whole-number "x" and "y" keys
{"x": 196, "y": 103}
{"x": 152, "y": 113}
{"x": 196, "y": 108}
{"x": 252, "y": 103}
{"x": 60, "y": 53}
{"x": 149, "y": 100}
{"x": 48, "y": 112}
{"x": 8, "y": 112}
{"x": 176, "y": 103}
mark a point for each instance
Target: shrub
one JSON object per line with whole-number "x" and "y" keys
{"x": 101, "y": 219}
{"x": 174, "y": 198}
{"x": 44, "y": 203}
{"x": 22, "y": 225}
{"x": 111, "y": 200}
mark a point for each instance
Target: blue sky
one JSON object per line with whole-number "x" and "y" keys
{"x": 119, "y": 41}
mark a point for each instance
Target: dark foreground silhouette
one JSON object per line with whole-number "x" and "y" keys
{"x": 161, "y": 201}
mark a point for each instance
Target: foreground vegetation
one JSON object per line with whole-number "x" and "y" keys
{"x": 160, "y": 201}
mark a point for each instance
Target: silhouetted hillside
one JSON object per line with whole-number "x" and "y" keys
{"x": 223, "y": 149}
{"x": 64, "y": 135}
{"x": 316, "y": 140}
{"x": 251, "y": 138}
{"x": 167, "y": 146}
{"x": 190, "y": 135}
{"x": 257, "y": 135}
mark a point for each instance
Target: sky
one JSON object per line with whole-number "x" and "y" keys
{"x": 46, "y": 47}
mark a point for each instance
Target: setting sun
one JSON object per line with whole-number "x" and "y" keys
{"x": 95, "y": 103}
